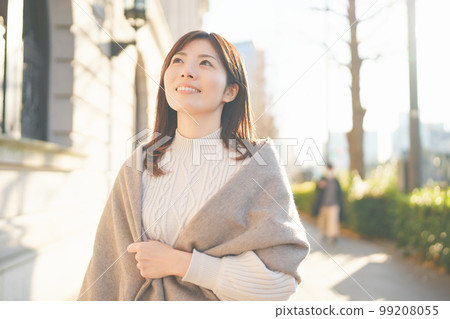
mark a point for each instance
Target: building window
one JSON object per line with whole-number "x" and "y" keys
{"x": 35, "y": 70}
{"x": 24, "y": 59}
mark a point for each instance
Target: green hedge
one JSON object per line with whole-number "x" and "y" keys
{"x": 370, "y": 216}
{"x": 419, "y": 222}
{"x": 304, "y": 195}
{"x": 422, "y": 225}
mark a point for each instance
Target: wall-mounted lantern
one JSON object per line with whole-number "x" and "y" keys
{"x": 134, "y": 11}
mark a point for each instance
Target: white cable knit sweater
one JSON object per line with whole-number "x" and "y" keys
{"x": 197, "y": 169}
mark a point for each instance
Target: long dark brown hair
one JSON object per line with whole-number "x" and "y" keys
{"x": 236, "y": 119}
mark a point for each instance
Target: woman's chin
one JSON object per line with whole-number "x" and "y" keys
{"x": 193, "y": 109}
{"x": 189, "y": 109}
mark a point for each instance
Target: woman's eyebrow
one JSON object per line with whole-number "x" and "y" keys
{"x": 200, "y": 55}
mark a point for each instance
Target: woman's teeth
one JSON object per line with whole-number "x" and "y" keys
{"x": 184, "y": 88}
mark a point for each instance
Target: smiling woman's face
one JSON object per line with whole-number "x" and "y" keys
{"x": 196, "y": 79}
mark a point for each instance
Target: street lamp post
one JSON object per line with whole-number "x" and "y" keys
{"x": 414, "y": 172}
{"x": 135, "y": 12}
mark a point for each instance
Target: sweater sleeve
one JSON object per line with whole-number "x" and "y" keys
{"x": 243, "y": 277}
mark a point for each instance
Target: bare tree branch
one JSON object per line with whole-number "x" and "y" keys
{"x": 377, "y": 13}
{"x": 375, "y": 58}
{"x": 343, "y": 15}
{"x": 386, "y": 54}
{"x": 326, "y": 46}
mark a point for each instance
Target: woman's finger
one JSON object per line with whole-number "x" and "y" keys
{"x": 132, "y": 248}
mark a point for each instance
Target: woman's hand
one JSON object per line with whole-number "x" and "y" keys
{"x": 156, "y": 259}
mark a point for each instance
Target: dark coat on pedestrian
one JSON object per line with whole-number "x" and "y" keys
{"x": 320, "y": 192}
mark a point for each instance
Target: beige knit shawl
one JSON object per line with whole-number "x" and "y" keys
{"x": 254, "y": 210}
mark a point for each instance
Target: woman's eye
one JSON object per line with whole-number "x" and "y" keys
{"x": 206, "y": 62}
{"x": 176, "y": 60}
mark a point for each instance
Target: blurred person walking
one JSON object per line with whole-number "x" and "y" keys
{"x": 328, "y": 205}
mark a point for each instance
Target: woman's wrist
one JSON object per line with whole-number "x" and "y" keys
{"x": 181, "y": 263}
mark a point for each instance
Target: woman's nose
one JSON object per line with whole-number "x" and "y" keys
{"x": 188, "y": 72}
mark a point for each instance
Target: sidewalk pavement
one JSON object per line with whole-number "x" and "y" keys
{"x": 357, "y": 269}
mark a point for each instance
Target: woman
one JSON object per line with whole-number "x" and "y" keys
{"x": 209, "y": 215}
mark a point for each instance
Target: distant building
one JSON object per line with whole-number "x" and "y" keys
{"x": 184, "y": 15}
{"x": 338, "y": 150}
{"x": 370, "y": 150}
{"x": 255, "y": 65}
{"x": 400, "y": 137}
{"x": 435, "y": 143}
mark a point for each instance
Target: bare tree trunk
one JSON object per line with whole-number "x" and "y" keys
{"x": 356, "y": 135}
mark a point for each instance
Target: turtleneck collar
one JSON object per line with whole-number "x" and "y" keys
{"x": 206, "y": 143}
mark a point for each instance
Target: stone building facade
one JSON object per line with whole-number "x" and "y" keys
{"x": 254, "y": 60}
{"x": 78, "y": 83}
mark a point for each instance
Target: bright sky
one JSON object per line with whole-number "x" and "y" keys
{"x": 291, "y": 34}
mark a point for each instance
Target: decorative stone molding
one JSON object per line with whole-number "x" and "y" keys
{"x": 38, "y": 155}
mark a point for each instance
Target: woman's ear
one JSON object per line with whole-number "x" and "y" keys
{"x": 231, "y": 92}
